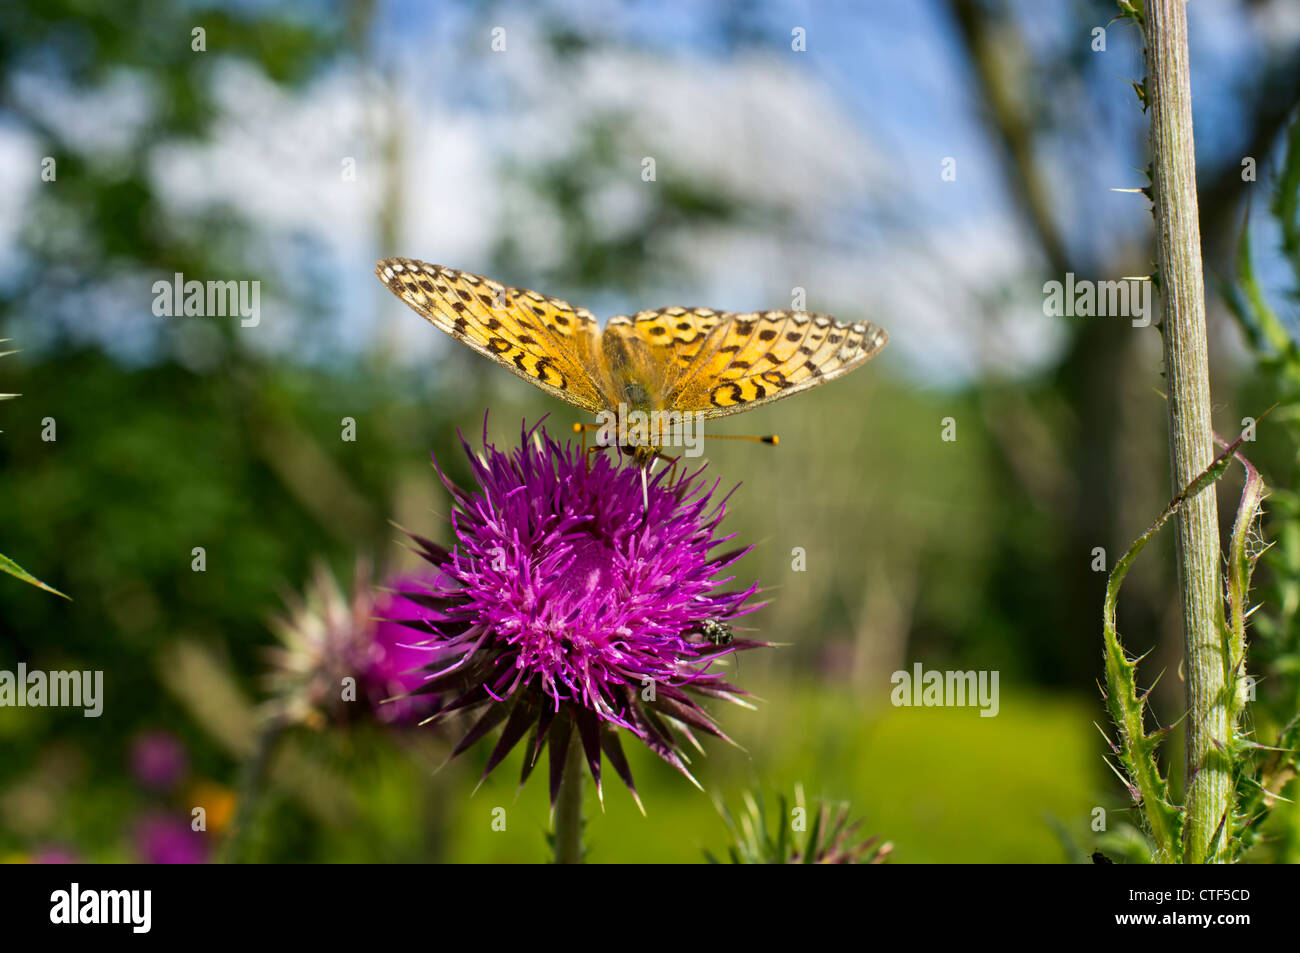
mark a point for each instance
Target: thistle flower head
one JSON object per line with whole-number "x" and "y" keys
{"x": 335, "y": 651}
{"x": 578, "y": 599}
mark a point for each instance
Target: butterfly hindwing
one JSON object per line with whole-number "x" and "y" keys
{"x": 756, "y": 358}
{"x": 541, "y": 339}
{"x": 654, "y": 347}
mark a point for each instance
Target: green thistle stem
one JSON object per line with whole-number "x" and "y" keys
{"x": 568, "y": 808}
{"x": 1178, "y": 241}
{"x": 251, "y": 787}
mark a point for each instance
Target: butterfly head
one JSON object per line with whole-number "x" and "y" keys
{"x": 641, "y": 455}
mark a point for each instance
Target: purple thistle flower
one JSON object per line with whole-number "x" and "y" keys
{"x": 162, "y": 839}
{"x": 578, "y": 597}
{"x": 330, "y": 636}
{"x": 158, "y": 760}
{"x": 324, "y": 639}
{"x": 395, "y": 668}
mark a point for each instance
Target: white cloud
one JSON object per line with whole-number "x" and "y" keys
{"x": 102, "y": 122}
{"x": 20, "y": 171}
{"x": 757, "y": 128}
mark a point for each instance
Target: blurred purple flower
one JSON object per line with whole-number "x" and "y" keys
{"x": 335, "y": 652}
{"x": 163, "y": 839}
{"x": 53, "y": 854}
{"x": 576, "y": 597}
{"x": 158, "y": 760}
{"x": 318, "y": 671}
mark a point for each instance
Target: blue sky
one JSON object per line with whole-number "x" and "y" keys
{"x": 847, "y": 138}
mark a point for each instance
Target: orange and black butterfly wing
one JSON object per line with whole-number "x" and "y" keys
{"x": 719, "y": 363}
{"x": 547, "y": 342}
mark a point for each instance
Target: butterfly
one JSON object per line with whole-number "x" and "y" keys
{"x": 710, "y": 363}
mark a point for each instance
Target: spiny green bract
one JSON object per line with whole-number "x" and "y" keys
{"x": 797, "y": 836}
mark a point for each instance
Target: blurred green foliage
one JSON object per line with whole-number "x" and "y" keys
{"x": 943, "y": 785}
{"x": 1274, "y": 649}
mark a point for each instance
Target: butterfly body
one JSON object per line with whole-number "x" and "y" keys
{"x": 672, "y": 360}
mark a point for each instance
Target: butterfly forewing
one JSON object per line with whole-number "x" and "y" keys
{"x": 541, "y": 339}
{"x": 756, "y": 358}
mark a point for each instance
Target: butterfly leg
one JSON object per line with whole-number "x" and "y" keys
{"x": 581, "y": 428}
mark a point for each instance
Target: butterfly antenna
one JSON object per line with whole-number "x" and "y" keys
{"x": 770, "y": 438}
